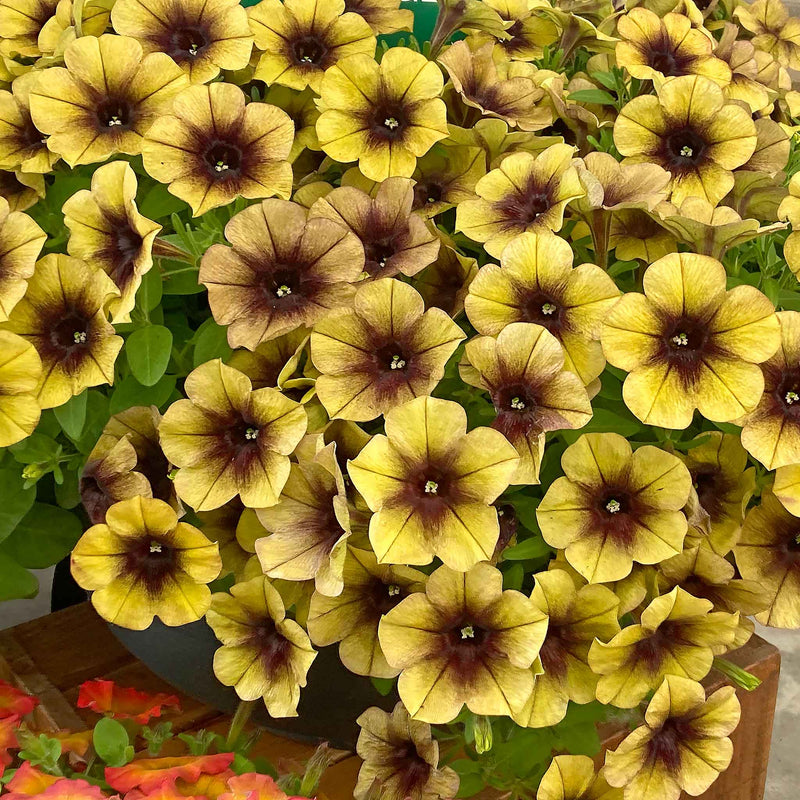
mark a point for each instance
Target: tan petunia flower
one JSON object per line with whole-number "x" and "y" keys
{"x": 775, "y": 31}
{"x": 201, "y": 36}
{"x": 22, "y": 144}
{"x": 383, "y": 16}
{"x": 526, "y": 193}
{"x": 683, "y": 744}
{"x": 464, "y": 641}
{"x": 445, "y": 176}
{"x": 688, "y": 344}
{"x": 445, "y": 283}
{"x": 235, "y": 529}
{"x": 21, "y": 241}
{"x": 574, "y": 778}
{"x": 228, "y": 439}
{"x": 214, "y": 148}
{"x": 21, "y": 22}
{"x": 61, "y": 29}
{"x": 107, "y": 231}
{"x": 282, "y": 272}
{"x": 692, "y": 132}
{"x": 264, "y": 654}
{"x": 21, "y": 190}
{"x": 274, "y": 362}
{"x": 537, "y": 283}
{"x": 529, "y": 32}
{"x": 63, "y": 315}
{"x": 789, "y": 209}
{"x": 635, "y": 234}
{"x": 20, "y": 368}
{"x": 787, "y": 488}
{"x": 105, "y": 99}
{"x": 678, "y": 634}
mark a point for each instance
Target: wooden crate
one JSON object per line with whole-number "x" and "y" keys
{"x": 51, "y": 656}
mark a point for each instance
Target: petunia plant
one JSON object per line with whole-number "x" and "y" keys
{"x": 459, "y": 338}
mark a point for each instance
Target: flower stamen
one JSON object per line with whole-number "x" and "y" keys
{"x": 221, "y": 166}
{"x": 687, "y": 151}
{"x": 468, "y": 632}
{"x": 251, "y": 434}
{"x": 283, "y": 290}
{"x": 193, "y": 48}
{"x": 431, "y": 487}
{"x": 548, "y": 309}
{"x": 680, "y": 340}
{"x": 397, "y": 363}
{"x": 517, "y": 404}
{"x": 391, "y": 123}
{"x": 792, "y": 397}
{"x": 393, "y": 590}
{"x": 113, "y": 121}
{"x": 79, "y": 337}
{"x": 613, "y": 506}
{"x": 155, "y": 547}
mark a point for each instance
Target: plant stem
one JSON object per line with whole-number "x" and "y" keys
{"x": 738, "y": 675}
{"x": 240, "y": 719}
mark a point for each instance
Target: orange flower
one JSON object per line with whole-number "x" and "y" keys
{"x": 150, "y": 773}
{"x": 14, "y": 702}
{"x": 28, "y": 780}
{"x": 105, "y": 697}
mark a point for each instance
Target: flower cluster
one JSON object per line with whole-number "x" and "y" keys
{"x": 477, "y": 358}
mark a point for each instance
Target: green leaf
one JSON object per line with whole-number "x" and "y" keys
{"x": 513, "y": 577}
{"x": 68, "y": 493}
{"x": 72, "y": 415}
{"x": 148, "y": 351}
{"x": 180, "y": 278}
{"x": 130, "y": 392}
{"x": 15, "y": 581}
{"x": 593, "y": 96}
{"x": 111, "y": 743}
{"x": 44, "y": 536}
{"x": 211, "y": 341}
{"x": 96, "y": 418}
{"x": 17, "y": 501}
{"x": 384, "y": 685}
{"x": 36, "y": 449}
{"x": 535, "y": 547}
{"x": 605, "y": 420}
{"x": 149, "y": 294}
{"x": 158, "y": 202}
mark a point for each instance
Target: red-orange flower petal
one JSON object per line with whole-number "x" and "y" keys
{"x": 252, "y": 786}
{"x": 63, "y": 789}
{"x": 149, "y": 773}
{"x": 105, "y": 697}
{"x": 14, "y": 702}
{"x": 28, "y": 780}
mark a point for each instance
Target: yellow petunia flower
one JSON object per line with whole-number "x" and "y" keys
{"x": 431, "y": 485}
{"x": 690, "y": 130}
{"x": 787, "y": 488}
{"x": 445, "y": 176}
{"x": 105, "y": 99}
{"x": 20, "y": 368}
{"x": 214, "y": 148}
{"x": 229, "y": 440}
{"x": 574, "y": 778}
{"x": 264, "y": 654}
{"x": 274, "y": 362}
{"x": 615, "y": 506}
{"x": 21, "y": 190}
{"x": 464, "y": 641}
{"x": 688, "y": 344}
{"x": 61, "y": 30}
{"x": 635, "y": 234}
{"x": 529, "y": 30}
{"x": 22, "y": 145}
{"x": 385, "y": 115}
{"x": 789, "y": 210}
{"x": 63, "y": 315}
{"x": 201, "y": 36}
{"x": 383, "y": 16}
{"x": 775, "y": 31}
{"x": 235, "y": 529}
{"x": 21, "y": 22}
{"x": 302, "y": 110}
{"x": 445, "y": 283}
{"x": 107, "y": 231}
{"x": 143, "y": 563}
{"x": 742, "y": 57}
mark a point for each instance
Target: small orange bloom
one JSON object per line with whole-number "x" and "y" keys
{"x": 105, "y": 697}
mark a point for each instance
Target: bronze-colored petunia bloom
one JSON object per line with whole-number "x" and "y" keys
{"x": 229, "y": 440}
{"x": 741, "y": 56}
{"x": 690, "y": 130}
{"x": 383, "y": 16}
{"x": 683, "y": 744}
{"x": 107, "y": 231}
{"x": 105, "y": 99}
{"x": 21, "y": 190}
{"x": 22, "y": 144}
{"x": 654, "y": 47}
{"x": 615, "y": 506}
{"x": 678, "y": 634}
{"x": 62, "y": 29}
{"x": 635, "y": 234}
{"x": 235, "y": 529}
{"x": 214, "y": 148}
{"x": 771, "y": 433}
{"x": 574, "y": 778}
{"x": 395, "y": 239}
{"x": 352, "y": 617}
{"x": 528, "y": 33}
{"x": 769, "y": 553}
{"x": 464, "y": 641}
{"x": 201, "y": 36}
{"x": 445, "y": 176}
{"x": 386, "y": 351}
{"x": 525, "y": 193}
{"x": 274, "y": 362}
{"x": 576, "y": 617}
{"x": 536, "y": 283}
{"x": 532, "y": 393}
{"x": 142, "y": 563}
{"x": 385, "y": 115}
{"x": 282, "y": 272}
{"x": 20, "y": 368}
{"x": 63, "y": 315}
{"x": 775, "y": 32}
{"x": 21, "y": 241}
{"x": 21, "y": 22}
{"x": 302, "y": 110}
{"x": 431, "y": 485}
{"x": 688, "y": 344}
{"x": 264, "y": 654}
{"x": 445, "y": 283}
{"x": 401, "y": 758}
{"x": 300, "y": 39}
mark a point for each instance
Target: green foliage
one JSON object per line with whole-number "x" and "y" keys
{"x": 148, "y": 350}
{"x": 111, "y": 742}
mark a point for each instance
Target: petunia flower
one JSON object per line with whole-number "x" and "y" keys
{"x": 283, "y": 271}
{"x": 22, "y": 145}
{"x": 201, "y": 37}
{"x": 742, "y": 58}
{"x": 352, "y": 617}
{"x": 148, "y": 774}
{"x": 683, "y": 744}
{"x": 775, "y": 31}
{"x": 142, "y": 562}
{"x": 445, "y": 283}
{"x": 21, "y": 190}
{"x": 395, "y": 240}
{"x": 573, "y": 778}
{"x": 8, "y": 740}
{"x": 768, "y": 552}
{"x": 15, "y": 702}
{"x": 615, "y": 506}
{"x": 213, "y": 148}
{"x": 536, "y": 283}
{"x": 576, "y": 617}
{"x": 678, "y": 634}
{"x": 300, "y": 39}
{"x": 385, "y": 115}
{"x": 526, "y": 193}
{"x": 654, "y": 47}
{"x": 229, "y": 440}
{"x": 20, "y": 371}
{"x": 253, "y": 786}
{"x": 431, "y": 485}
{"x": 635, "y": 234}
{"x": 445, "y": 176}
{"x": 383, "y": 16}
{"x": 107, "y": 231}
{"x": 386, "y": 351}
{"x": 688, "y": 344}
{"x": 787, "y": 488}
{"x": 401, "y": 757}
{"x": 28, "y": 780}
{"x": 690, "y": 130}
{"x": 62, "y": 28}
{"x": 532, "y": 393}
{"x": 64, "y": 789}
{"x": 21, "y": 22}
{"x": 264, "y": 654}
{"x": 106, "y": 697}
{"x": 21, "y": 241}
{"x": 464, "y": 641}
{"x": 528, "y": 33}
{"x": 104, "y": 100}
{"x": 63, "y": 316}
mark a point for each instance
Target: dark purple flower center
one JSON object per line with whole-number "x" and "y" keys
{"x": 787, "y": 393}
{"x": 711, "y": 487}
{"x": 524, "y": 208}
{"x": 685, "y": 149}
{"x": 388, "y": 121}
{"x": 274, "y": 649}
{"x": 152, "y": 560}
{"x": 685, "y": 340}
{"x": 542, "y": 309}
{"x": 240, "y": 437}
{"x": 70, "y": 334}
{"x": 125, "y": 245}
{"x": 187, "y": 42}
{"x": 427, "y": 193}
{"x": 309, "y": 50}
{"x": 114, "y": 113}
{"x": 665, "y": 746}
{"x": 223, "y": 159}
